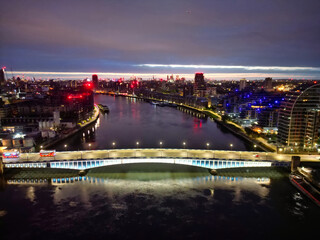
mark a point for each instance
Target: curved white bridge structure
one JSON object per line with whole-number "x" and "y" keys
{"x": 209, "y": 159}
{"x": 89, "y": 164}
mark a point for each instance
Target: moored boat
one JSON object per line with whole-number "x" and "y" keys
{"x": 103, "y": 108}
{"x": 305, "y": 187}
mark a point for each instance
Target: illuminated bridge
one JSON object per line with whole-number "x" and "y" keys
{"x": 94, "y": 163}
{"x": 210, "y": 159}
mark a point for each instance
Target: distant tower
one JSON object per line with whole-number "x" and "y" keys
{"x": 267, "y": 84}
{"x": 95, "y": 80}
{"x": 2, "y": 76}
{"x": 243, "y": 84}
{"x": 199, "y": 85}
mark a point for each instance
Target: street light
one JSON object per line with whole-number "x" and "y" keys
{"x": 160, "y": 144}
{"x": 137, "y": 143}
{"x": 65, "y": 146}
{"x": 184, "y": 144}
{"x": 90, "y": 146}
{"x": 208, "y": 144}
{"x": 231, "y": 145}
{"x": 255, "y": 147}
{"x": 113, "y": 144}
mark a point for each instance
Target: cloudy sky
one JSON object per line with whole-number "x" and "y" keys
{"x": 257, "y": 38}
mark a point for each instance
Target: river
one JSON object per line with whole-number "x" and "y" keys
{"x": 131, "y": 120}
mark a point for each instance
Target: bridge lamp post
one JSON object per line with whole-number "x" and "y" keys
{"x": 66, "y": 147}
{"x": 255, "y": 147}
{"x": 231, "y": 145}
{"x": 160, "y": 148}
{"x": 113, "y": 144}
{"x": 137, "y": 143}
{"x": 184, "y": 144}
{"x": 89, "y": 146}
{"x": 208, "y": 144}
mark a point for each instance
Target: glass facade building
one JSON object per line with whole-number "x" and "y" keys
{"x": 299, "y": 118}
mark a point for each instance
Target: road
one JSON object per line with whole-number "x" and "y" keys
{"x": 169, "y": 153}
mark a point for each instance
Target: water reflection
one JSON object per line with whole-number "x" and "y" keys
{"x": 155, "y": 183}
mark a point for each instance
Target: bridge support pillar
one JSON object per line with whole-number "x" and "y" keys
{"x": 295, "y": 163}
{"x": 213, "y": 172}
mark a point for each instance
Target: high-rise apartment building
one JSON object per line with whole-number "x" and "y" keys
{"x": 299, "y": 120}
{"x": 267, "y": 84}
{"x": 95, "y": 81}
{"x": 199, "y": 85}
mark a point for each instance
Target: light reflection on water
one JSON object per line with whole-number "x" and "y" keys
{"x": 159, "y": 188}
{"x": 119, "y": 205}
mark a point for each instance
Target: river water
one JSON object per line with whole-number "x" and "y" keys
{"x": 152, "y": 201}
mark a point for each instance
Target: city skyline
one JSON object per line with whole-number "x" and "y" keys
{"x": 229, "y": 38}
{"x": 148, "y": 76}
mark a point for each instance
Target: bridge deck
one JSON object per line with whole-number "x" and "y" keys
{"x": 165, "y": 153}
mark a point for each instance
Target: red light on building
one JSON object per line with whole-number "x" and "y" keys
{"x": 75, "y": 96}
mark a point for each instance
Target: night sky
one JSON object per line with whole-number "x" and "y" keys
{"x": 122, "y": 36}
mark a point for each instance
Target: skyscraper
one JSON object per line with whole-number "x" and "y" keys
{"x": 299, "y": 120}
{"x": 199, "y": 85}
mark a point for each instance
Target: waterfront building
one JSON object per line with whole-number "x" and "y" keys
{"x": 299, "y": 120}
{"x": 188, "y": 90}
{"x": 199, "y": 85}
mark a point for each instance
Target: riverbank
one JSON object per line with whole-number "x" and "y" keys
{"x": 80, "y": 126}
